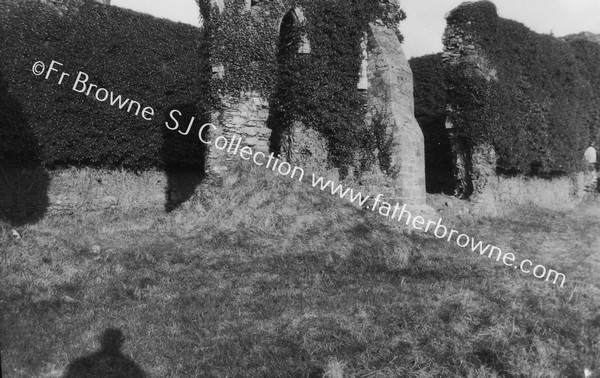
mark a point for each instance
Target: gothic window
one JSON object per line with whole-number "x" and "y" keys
{"x": 292, "y": 20}
{"x": 254, "y": 4}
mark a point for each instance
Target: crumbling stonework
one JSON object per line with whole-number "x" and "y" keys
{"x": 389, "y": 89}
{"x": 390, "y": 94}
{"x": 304, "y": 147}
{"x": 583, "y": 36}
{"x": 460, "y": 48}
{"x": 474, "y": 165}
{"x": 388, "y": 86}
{"x": 483, "y": 178}
{"x": 484, "y": 162}
{"x": 246, "y": 118}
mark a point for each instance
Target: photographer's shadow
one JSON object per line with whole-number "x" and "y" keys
{"x": 108, "y": 362}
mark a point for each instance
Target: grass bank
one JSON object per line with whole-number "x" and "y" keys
{"x": 271, "y": 278}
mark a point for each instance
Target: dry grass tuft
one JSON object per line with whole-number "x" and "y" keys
{"x": 335, "y": 369}
{"x": 553, "y": 194}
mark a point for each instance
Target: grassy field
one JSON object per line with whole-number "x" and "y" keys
{"x": 269, "y": 278}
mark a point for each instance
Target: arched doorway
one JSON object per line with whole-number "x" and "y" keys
{"x": 292, "y": 54}
{"x": 292, "y": 39}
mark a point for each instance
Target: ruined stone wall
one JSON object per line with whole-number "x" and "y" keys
{"x": 583, "y": 36}
{"x": 304, "y": 147}
{"x": 390, "y": 98}
{"x": 501, "y": 95}
{"x": 474, "y": 165}
{"x": 244, "y": 117}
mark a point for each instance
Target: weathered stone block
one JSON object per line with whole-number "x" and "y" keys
{"x": 251, "y": 131}
{"x": 251, "y": 141}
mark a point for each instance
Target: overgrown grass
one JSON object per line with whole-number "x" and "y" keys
{"x": 553, "y": 194}
{"x": 89, "y": 186}
{"x": 271, "y": 278}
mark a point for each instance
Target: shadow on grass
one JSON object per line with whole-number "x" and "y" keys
{"x": 23, "y": 180}
{"x": 108, "y": 362}
{"x": 183, "y": 154}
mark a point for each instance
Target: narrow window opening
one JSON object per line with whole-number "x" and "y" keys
{"x": 293, "y": 20}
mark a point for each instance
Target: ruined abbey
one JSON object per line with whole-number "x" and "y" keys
{"x": 265, "y": 70}
{"x": 385, "y": 79}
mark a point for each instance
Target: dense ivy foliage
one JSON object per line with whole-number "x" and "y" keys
{"x": 143, "y": 58}
{"x": 318, "y": 89}
{"x": 540, "y": 114}
{"x": 588, "y": 55}
{"x": 165, "y": 65}
{"x": 430, "y": 112}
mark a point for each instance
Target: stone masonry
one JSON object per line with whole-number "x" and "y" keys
{"x": 473, "y": 169}
{"x": 389, "y": 89}
{"x": 390, "y": 98}
{"x": 244, "y": 117}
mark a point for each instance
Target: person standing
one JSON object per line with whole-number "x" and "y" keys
{"x": 591, "y": 158}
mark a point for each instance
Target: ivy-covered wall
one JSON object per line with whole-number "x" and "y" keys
{"x": 251, "y": 63}
{"x": 531, "y": 97}
{"x": 255, "y": 69}
{"x": 161, "y": 64}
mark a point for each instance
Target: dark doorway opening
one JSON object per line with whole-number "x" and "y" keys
{"x": 292, "y": 53}
{"x": 439, "y": 160}
{"x": 430, "y": 110}
{"x": 183, "y": 155}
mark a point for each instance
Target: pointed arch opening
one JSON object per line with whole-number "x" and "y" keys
{"x": 290, "y": 31}
{"x": 292, "y": 60}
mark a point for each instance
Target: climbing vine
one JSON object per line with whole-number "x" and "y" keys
{"x": 525, "y": 93}
{"x": 318, "y": 89}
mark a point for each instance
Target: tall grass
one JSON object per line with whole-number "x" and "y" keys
{"x": 82, "y": 189}
{"x": 552, "y": 194}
